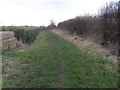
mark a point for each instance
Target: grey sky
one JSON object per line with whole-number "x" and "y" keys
{"x": 39, "y": 12}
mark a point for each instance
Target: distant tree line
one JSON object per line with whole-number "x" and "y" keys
{"x": 102, "y": 28}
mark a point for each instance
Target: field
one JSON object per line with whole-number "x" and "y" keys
{"x": 7, "y": 40}
{"x": 52, "y": 62}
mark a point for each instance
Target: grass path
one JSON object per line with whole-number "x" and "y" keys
{"x": 54, "y": 62}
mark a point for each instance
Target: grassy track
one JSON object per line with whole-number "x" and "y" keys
{"x": 54, "y": 62}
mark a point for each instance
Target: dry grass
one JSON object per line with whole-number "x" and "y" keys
{"x": 87, "y": 45}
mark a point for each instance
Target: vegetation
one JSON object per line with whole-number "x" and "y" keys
{"x": 52, "y": 62}
{"x": 102, "y": 28}
{"x": 19, "y": 33}
{"x": 27, "y": 36}
{"x": 52, "y": 25}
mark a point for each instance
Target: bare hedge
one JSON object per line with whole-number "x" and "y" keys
{"x": 102, "y": 28}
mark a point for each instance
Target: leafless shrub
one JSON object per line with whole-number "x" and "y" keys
{"x": 102, "y": 28}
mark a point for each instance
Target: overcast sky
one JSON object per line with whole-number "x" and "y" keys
{"x": 39, "y": 12}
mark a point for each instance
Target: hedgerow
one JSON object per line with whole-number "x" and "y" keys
{"x": 26, "y": 36}
{"x": 102, "y": 28}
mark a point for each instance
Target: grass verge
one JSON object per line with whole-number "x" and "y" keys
{"x": 54, "y": 62}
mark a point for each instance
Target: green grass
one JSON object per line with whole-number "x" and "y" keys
{"x": 52, "y": 62}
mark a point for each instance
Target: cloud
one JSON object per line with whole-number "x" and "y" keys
{"x": 39, "y": 12}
